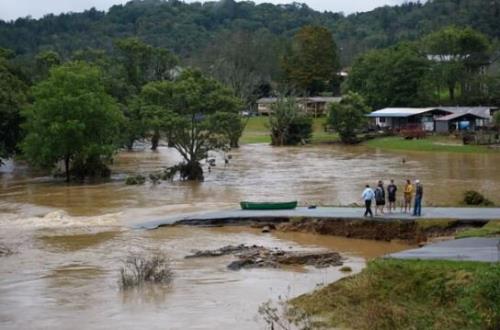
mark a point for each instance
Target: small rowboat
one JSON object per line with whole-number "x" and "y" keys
{"x": 268, "y": 206}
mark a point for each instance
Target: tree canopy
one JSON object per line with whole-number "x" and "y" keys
{"x": 348, "y": 117}
{"x": 13, "y": 97}
{"x": 184, "y": 107}
{"x": 73, "y": 120}
{"x": 313, "y": 61}
{"x": 397, "y": 76}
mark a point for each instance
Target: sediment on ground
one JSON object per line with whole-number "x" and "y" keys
{"x": 255, "y": 256}
{"x": 403, "y": 294}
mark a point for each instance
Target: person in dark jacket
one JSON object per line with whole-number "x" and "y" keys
{"x": 419, "y": 194}
{"x": 391, "y": 194}
{"x": 379, "y": 198}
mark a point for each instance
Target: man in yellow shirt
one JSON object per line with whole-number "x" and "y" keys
{"x": 408, "y": 194}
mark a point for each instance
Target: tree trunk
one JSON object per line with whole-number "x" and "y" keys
{"x": 155, "y": 140}
{"x": 66, "y": 167}
{"x": 451, "y": 90}
{"x": 193, "y": 172}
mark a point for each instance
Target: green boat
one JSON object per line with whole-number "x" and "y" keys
{"x": 268, "y": 206}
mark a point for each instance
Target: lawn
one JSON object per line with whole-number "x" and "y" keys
{"x": 492, "y": 228}
{"x": 430, "y": 143}
{"x": 406, "y": 294}
{"x": 257, "y": 131}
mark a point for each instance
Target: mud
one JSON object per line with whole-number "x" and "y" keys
{"x": 261, "y": 257}
{"x": 383, "y": 230}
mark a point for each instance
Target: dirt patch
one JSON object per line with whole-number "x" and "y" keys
{"x": 372, "y": 229}
{"x": 261, "y": 257}
{"x": 383, "y": 230}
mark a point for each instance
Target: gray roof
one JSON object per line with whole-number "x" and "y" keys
{"x": 461, "y": 114}
{"x": 483, "y": 112}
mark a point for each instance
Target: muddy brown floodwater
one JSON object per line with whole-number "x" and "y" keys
{"x": 69, "y": 241}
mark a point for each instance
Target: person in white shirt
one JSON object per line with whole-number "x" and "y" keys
{"x": 367, "y": 196}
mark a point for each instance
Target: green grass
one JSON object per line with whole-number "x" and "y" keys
{"x": 492, "y": 228}
{"x": 431, "y": 143}
{"x": 405, "y": 294}
{"x": 257, "y": 131}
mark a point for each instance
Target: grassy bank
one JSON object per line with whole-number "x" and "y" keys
{"x": 257, "y": 131}
{"x": 430, "y": 143}
{"x": 492, "y": 228}
{"x": 396, "y": 294}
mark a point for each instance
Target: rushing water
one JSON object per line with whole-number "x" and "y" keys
{"x": 70, "y": 240}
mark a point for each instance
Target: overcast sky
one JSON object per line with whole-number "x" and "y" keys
{"x": 12, "y": 9}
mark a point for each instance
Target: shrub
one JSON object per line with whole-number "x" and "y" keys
{"x": 139, "y": 269}
{"x": 472, "y": 197}
{"x": 135, "y": 180}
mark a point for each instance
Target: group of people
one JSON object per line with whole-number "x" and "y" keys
{"x": 379, "y": 195}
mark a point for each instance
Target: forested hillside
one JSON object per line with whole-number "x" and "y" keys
{"x": 187, "y": 29}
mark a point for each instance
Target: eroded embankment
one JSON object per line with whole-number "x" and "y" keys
{"x": 414, "y": 231}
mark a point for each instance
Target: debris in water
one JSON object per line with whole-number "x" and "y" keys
{"x": 261, "y": 257}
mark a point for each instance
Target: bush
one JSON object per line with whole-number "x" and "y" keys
{"x": 135, "y": 180}
{"x": 139, "y": 270}
{"x": 472, "y": 197}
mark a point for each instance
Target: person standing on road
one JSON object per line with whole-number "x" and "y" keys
{"x": 391, "y": 194}
{"x": 379, "y": 198}
{"x": 419, "y": 194}
{"x": 368, "y": 196}
{"x": 408, "y": 194}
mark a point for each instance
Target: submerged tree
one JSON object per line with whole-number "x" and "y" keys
{"x": 186, "y": 108}
{"x": 288, "y": 125}
{"x": 348, "y": 117}
{"x": 72, "y": 120}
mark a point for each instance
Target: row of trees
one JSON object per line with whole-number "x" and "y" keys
{"x": 185, "y": 28}
{"x": 79, "y": 112}
{"x": 451, "y": 66}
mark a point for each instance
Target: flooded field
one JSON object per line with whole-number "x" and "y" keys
{"x": 69, "y": 241}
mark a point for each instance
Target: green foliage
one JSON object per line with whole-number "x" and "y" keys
{"x": 185, "y": 28}
{"x": 397, "y": 294}
{"x": 44, "y": 61}
{"x": 472, "y": 197}
{"x": 72, "y": 119}
{"x": 496, "y": 119}
{"x": 313, "y": 61}
{"x": 288, "y": 125}
{"x": 458, "y": 53}
{"x": 135, "y": 180}
{"x": 491, "y": 229}
{"x": 348, "y": 117}
{"x": 184, "y": 109}
{"x": 12, "y": 98}
{"x": 230, "y": 125}
{"x": 397, "y": 76}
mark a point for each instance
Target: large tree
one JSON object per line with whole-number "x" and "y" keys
{"x": 12, "y": 98}
{"x": 397, "y": 76}
{"x": 313, "y": 62}
{"x": 348, "y": 117}
{"x": 72, "y": 120}
{"x": 457, "y": 55}
{"x": 186, "y": 107}
{"x": 289, "y": 126}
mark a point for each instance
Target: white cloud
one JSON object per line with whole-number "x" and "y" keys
{"x": 12, "y": 9}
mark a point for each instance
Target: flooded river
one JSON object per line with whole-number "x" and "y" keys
{"x": 69, "y": 241}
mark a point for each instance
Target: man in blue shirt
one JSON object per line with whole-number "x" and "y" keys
{"x": 367, "y": 197}
{"x": 419, "y": 194}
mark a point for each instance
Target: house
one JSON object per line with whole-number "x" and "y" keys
{"x": 434, "y": 119}
{"x": 314, "y": 106}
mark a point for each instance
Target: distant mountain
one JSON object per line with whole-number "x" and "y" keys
{"x": 187, "y": 28}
